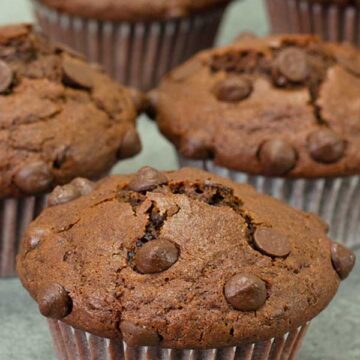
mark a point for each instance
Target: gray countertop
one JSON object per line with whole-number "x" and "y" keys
{"x": 333, "y": 335}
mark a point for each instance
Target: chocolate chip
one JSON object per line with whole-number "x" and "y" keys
{"x": 78, "y": 73}
{"x": 186, "y": 70}
{"x": 326, "y": 146}
{"x": 54, "y": 302}
{"x": 147, "y": 178}
{"x": 277, "y": 157}
{"x": 34, "y": 178}
{"x": 84, "y": 186}
{"x": 137, "y": 335}
{"x": 233, "y": 89}
{"x": 130, "y": 145}
{"x": 6, "y": 76}
{"x": 63, "y": 194}
{"x": 156, "y": 256}
{"x": 196, "y": 145}
{"x": 343, "y": 260}
{"x": 245, "y": 292}
{"x": 271, "y": 242}
{"x": 292, "y": 63}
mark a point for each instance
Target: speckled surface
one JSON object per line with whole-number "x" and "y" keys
{"x": 23, "y": 332}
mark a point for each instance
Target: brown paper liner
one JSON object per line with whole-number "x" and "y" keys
{"x": 137, "y": 54}
{"x": 15, "y": 216}
{"x": 331, "y": 22}
{"x": 73, "y": 344}
{"x": 336, "y": 200}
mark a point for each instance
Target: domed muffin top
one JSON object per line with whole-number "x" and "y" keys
{"x": 60, "y": 117}
{"x": 134, "y": 10}
{"x": 280, "y": 106}
{"x": 183, "y": 259}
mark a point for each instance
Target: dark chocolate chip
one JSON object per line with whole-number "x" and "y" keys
{"x": 271, "y": 242}
{"x": 156, "y": 256}
{"x": 6, "y": 76}
{"x": 147, "y": 178}
{"x": 277, "y": 157}
{"x": 78, "y": 73}
{"x": 186, "y": 70}
{"x": 245, "y": 292}
{"x": 54, "y": 302}
{"x": 326, "y": 146}
{"x": 130, "y": 145}
{"x": 34, "y": 178}
{"x": 292, "y": 63}
{"x": 84, "y": 186}
{"x": 63, "y": 195}
{"x": 196, "y": 145}
{"x": 343, "y": 260}
{"x": 233, "y": 89}
{"x": 137, "y": 335}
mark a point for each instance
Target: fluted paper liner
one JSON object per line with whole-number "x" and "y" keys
{"x": 137, "y": 54}
{"x": 331, "y": 22}
{"x": 73, "y": 344}
{"x": 15, "y": 216}
{"x": 336, "y": 200}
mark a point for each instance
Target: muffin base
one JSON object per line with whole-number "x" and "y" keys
{"x": 136, "y": 54}
{"x": 73, "y": 344}
{"x": 336, "y": 200}
{"x": 331, "y": 22}
{"x": 15, "y": 217}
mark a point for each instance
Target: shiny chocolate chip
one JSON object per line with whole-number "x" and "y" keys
{"x": 84, "y": 186}
{"x": 245, "y": 292}
{"x": 136, "y": 335}
{"x": 196, "y": 145}
{"x": 147, "y": 178}
{"x": 326, "y": 146}
{"x": 78, "y": 73}
{"x": 271, "y": 242}
{"x": 130, "y": 145}
{"x": 54, "y": 302}
{"x": 6, "y": 76}
{"x": 292, "y": 63}
{"x": 63, "y": 195}
{"x": 277, "y": 157}
{"x": 232, "y": 89}
{"x": 343, "y": 260}
{"x": 156, "y": 256}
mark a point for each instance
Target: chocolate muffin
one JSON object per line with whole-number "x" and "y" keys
{"x": 333, "y": 20}
{"x": 280, "y": 112}
{"x": 60, "y": 118}
{"x": 137, "y": 41}
{"x": 155, "y": 264}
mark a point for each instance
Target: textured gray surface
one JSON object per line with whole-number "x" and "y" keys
{"x": 334, "y": 335}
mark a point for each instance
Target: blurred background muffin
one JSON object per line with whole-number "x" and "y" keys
{"x": 137, "y": 41}
{"x": 60, "y": 118}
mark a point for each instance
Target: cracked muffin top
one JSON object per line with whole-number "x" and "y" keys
{"x": 60, "y": 117}
{"x": 183, "y": 259}
{"x": 280, "y": 106}
{"x": 134, "y": 10}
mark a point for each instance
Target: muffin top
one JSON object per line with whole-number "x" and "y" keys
{"x": 280, "y": 106}
{"x": 134, "y": 10}
{"x": 183, "y": 259}
{"x": 60, "y": 117}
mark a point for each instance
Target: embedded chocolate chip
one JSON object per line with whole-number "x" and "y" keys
{"x": 137, "y": 335}
{"x": 147, "y": 178}
{"x": 54, "y": 302}
{"x": 277, "y": 157}
{"x": 326, "y": 146}
{"x": 85, "y": 186}
{"x": 34, "y": 177}
{"x": 156, "y": 256}
{"x": 196, "y": 145}
{"x": 343, "y": 260}
{"x": 186, "y": 70}
{"x": 292, "y": 63}
{"x": 6, "y": 76}
{"x": 233, "y": 89}
{"x": 63, "y": 194}
{"x": 271, "y": 242}
{"x": 78, "y": 73}
{"x": 130, "y": 146}
{"x": 245, "y": 292}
